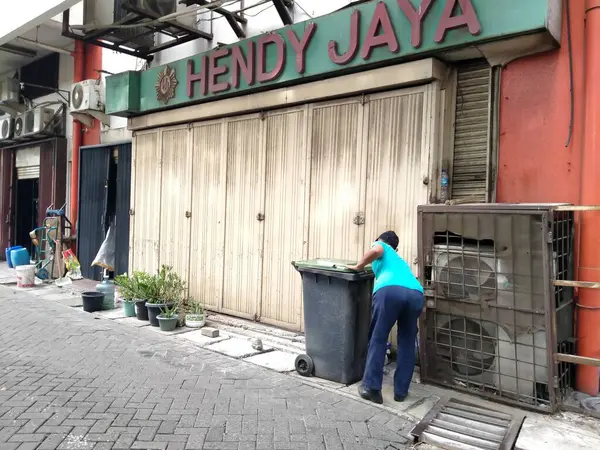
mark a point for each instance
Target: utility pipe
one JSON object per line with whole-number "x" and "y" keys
{"x": 43, "y": 46}
{"x": 588, "y": 317}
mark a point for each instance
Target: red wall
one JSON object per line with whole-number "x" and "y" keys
{"x": 533, "y": 163}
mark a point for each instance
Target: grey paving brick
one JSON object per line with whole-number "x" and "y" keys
{"x": 143, "y": 445}
{"x": 28, "y": 446}
{"x": 74, "y": 383}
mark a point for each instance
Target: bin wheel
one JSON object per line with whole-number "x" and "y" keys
{"x": 43, "y": 274}
{"x": 305, "y": 365}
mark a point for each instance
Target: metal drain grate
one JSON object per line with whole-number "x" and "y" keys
{"x": 456, "y": 425}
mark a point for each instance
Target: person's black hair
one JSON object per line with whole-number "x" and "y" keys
{"x": 390, "y": 238}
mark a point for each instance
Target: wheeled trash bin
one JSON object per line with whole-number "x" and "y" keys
{"x": 337, "y": 314}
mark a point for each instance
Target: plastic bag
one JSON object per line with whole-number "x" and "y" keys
{"x": 72, "y": 265}
{"x": 106, "y": 255}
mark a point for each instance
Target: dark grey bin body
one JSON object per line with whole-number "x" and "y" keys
{"x": 337, "y": 315}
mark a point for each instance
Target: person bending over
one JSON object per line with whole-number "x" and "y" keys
{"x": 397, "y": 298}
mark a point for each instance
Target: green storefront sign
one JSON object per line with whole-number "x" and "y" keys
{"x": 369, "y": 35}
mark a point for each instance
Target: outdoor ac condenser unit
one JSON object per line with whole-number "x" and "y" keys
{"x": 7, "y": 124}
{"x": 487, "y": 271}
{"x": 10, "y": 90}
{"x": 36, "y": 121}
{"x": 87, "y": 96}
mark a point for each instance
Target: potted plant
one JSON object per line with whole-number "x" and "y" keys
{"x": 168, "y": 318}
{"x": 166, "y": 291}
{"x": 141, "y": 284}
{"x": 126, "y": 291}
{"x": 182, "y": 310}
{"x": 195, "y": 316}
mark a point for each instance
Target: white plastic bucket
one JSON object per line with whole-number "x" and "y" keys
{"x": 25, "y": 276}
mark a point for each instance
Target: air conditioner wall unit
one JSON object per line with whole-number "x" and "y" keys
{"x": 87, "y": 95}
{"x": 10, "y": 90}
{"x": 7, "y": 124}
{"x": 106, "y": 12}
{"x": 87, "y": 102}
{"x": 36, "y": 121}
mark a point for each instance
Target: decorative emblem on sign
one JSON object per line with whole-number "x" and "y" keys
{"x": 166, "y": 84}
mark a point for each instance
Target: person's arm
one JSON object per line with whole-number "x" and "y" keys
{"x": 374, "y": 253}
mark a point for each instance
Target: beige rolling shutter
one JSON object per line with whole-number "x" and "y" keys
{"x": 28, "y": 163}
{"x": 470, "y": 169}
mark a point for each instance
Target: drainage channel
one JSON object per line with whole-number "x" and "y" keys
{"x": 457, "y": 425}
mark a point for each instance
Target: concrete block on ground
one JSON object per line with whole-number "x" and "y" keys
{"x": 210, "y": 332}
{"x": 275, "y": 360}
{"x": 236, "y": 348}
{"x": 197, "y": 337}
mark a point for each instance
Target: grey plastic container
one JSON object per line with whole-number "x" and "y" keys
{"x": 337, "y": 315}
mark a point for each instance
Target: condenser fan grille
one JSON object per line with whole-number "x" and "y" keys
{"x": 5, "y": 129}
{"x": 19, "y": 126}
{"x": 467, "y": 345}
{"x": 461, "y": 276}
{"x": 77, "y": 96}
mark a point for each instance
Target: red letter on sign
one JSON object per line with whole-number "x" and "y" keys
{"x": 300, "y": 47}
{"x": 332, "y": 48}
{"x": 263, "y": 42}
{"x": 381, "y": 20}
{"x": 468, "y": 18}
{"x": 245, "y": 66}
{"x": 215, "y": 71}
{"x": 196, "y": 77}
{"x": 415, "y": 17}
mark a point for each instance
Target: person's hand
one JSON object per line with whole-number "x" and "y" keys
{"x": 354, "y": 268}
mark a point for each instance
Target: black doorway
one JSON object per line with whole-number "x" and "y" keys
{"x": 26, "y": 211}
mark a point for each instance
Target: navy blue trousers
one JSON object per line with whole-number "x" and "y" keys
{"x": 391, "y": 305}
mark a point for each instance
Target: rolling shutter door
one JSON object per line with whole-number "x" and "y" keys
{"x": 470, "y": 168}
{"x": 28, "y": 163}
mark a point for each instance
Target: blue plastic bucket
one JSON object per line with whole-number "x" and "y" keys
{"x": 20, "y": 257}
{"x": 8, "y": 252}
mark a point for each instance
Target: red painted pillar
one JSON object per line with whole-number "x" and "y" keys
{"x": 588, "y": 322}
{"x": 88, "y": 63}
{"x": 91, "y": 71}
{"x": 79, "y": 63}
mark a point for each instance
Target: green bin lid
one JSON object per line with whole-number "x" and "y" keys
{"x": 335, "y": 265}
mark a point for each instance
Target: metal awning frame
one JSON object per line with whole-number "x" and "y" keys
{"x": 234, "y": 20}
{"x": 105, "y": 38}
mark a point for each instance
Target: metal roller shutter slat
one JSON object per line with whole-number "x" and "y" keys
{"x": 471, "y": 133}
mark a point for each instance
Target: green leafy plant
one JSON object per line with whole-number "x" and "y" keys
{"x": 165, "y": 287}
{"x": 168, "y": 313}
{"x": 141, "y": 285}
{"x": 195, "y": 309}
{"x": 126, "y": 287}
{"x": 173, "y": 286}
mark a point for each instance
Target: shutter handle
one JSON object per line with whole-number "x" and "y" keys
{"x": 359, "y": 218}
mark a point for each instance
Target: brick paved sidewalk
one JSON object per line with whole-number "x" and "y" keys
{"x": 70, "y": 381}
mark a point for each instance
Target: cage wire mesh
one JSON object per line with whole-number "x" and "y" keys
{"x": 487, "y": 272}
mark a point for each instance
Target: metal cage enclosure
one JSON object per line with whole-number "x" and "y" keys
{"x": 493, "y": 318}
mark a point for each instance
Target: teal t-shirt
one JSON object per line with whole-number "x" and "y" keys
{"x": 391, "y": 270}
